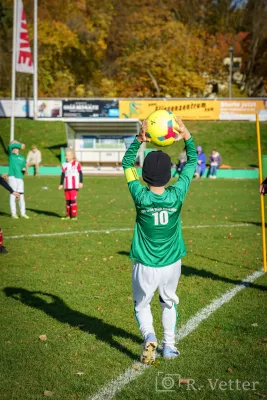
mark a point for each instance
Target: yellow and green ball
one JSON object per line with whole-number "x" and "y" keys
{"x": 161, "y": 127}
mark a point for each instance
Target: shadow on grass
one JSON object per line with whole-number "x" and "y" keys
{"x": 45, "y": 212}
{"x": 4, "y": 214}
{"x": 55, "y": 150}
{"x": 56, "y": 308}
{"x": 189, "y": 271}
{"x": 124, "y": 253}
{"x": 3, "y": 145}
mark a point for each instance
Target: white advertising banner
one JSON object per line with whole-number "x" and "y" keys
{"x": 24, "y": 108}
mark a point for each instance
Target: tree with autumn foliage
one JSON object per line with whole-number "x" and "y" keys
{"x": 129, "y": 48}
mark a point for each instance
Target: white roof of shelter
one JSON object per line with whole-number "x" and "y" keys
{"x": 104, "y": 126}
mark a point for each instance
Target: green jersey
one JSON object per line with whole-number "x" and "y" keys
{"x": 157, "y": 239}
{"x": 16, "y": 162}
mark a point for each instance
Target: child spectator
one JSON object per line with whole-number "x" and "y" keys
{"x": 72, "y": 180}
{"x": 181, "y": 162}
{"x": 157, "y": 245}
{"x": 215, "y": 162}
{"x": 201, "y": 162}
{"x": 34, "y": 158}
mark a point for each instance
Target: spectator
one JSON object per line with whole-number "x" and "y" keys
{"x": 215, "y": 162}
{"x": 182, "y": 159}
{"x": 34, "y": 159}
{"x": 263, "y": 187}
{"x": 201, "y": 162}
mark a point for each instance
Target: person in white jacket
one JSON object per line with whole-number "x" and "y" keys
{"x": 34, "y": 159}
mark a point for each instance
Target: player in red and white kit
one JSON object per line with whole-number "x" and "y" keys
{"x": 72, "y": 180}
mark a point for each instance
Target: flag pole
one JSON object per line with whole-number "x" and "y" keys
{"x": 14, "y": 55}
{"x": 35, "y": 61}
{"x": 261, "y": 196}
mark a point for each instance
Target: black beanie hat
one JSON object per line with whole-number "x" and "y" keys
{"x": 157, "y": 168}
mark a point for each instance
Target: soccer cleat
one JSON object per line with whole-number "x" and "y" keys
{"x": 65, "y": 218}
{"x": 74, "y": 219}
{"x": 25, "y": 216}
{"x": 3, "y": 250}
{"x": 170, "y": 352}
{"x": 14, "y": 217}
{"x": 148, "y": 355}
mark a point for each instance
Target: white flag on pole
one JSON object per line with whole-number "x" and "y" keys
{"x": 24, "y": 61}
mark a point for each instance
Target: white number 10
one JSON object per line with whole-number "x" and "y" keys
{"x": 161, "y": 218}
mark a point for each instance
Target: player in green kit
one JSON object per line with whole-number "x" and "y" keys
{"x": 157, "y": 245}
{"x": 17, "y": 168}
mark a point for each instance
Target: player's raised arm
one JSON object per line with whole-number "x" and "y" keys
{"x": 187, "y": 173}
{"x": 128, "y": 162}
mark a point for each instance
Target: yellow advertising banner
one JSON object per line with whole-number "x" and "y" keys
{"x": 205, "y": 110}
{"x": 186, "y": 109}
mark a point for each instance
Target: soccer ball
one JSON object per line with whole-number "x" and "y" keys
{"x": 160, "y": 127}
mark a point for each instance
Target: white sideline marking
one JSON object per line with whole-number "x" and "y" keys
{"x": 120, "y": 230}
{"x": 117, "y": 384}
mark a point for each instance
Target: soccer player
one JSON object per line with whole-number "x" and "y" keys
{"x": 72, "y": 180}
{"x": 3, "y": 183}
{"x": 17, "y": 168}
{"x": 157, "y": 245}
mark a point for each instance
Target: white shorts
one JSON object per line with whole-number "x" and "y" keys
{"x": 146, "y": 280}
{"x": 16, "y": 184}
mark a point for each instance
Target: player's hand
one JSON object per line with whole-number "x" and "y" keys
{"x": 183, "y": 132}
{"x": 142, "y": 133}
{"x": 263, "y": 188}
{"x": 4, "y": 176}
{"x": 16, "y": 194}
{"x": 80, "y": 185}
{"x": 22, "y": 146}
{"x": 60, "y": 187}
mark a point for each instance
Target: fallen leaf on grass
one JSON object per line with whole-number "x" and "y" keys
{"x": 230, "y": 236}
{"x": 48, "y": 393}
{"x": 229, "y": 370}
{"x": 79, "y": 373}
{"x": 261, "y": 394}
{"x": 42, "y": 337}
{"x": 9, "y": 342}
{"x": 255, "y": 324}
{"x": 104, "y": 259}
{"x": 91, "y": 348}
{"x": 184, "y": 381}
{"x": 136, "y": 367}
{"x": 99, "y": 308}
{"x": 156, "y": 364}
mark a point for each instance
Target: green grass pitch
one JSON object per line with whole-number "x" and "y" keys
{"x": 235, "y": 140}
{"x": 75, "y": 288}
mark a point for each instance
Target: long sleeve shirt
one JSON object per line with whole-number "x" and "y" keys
{"x": 157, "y": 239}
{"x": 6, "y": 185}
{"x": 16, "y": 162}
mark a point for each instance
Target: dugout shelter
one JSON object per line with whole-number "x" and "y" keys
{"x": 100, "y": 143}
